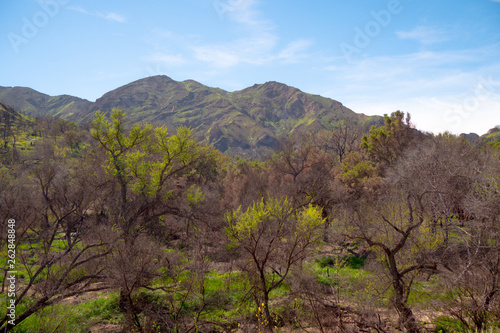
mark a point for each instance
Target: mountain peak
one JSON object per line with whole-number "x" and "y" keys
{"x": 494, "y": 130}
{"x": 137, "y": 91}
{"x": 152, "y": 81}
{"x": 241, "y": 122}
{"x": 274, "y": 85}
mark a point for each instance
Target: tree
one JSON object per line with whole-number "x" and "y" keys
{"x": 408, "y": 221}
{"x": 146, "y": 177}
{"x": 246, "y": 181}
{"x": 274, "y": 238}
{"x": 398, "y": 221}
{"x": 60, "y": 256}
{"x": 304, "y": 172}
{"x": 294, "y": 157}
{"x": 6, "y": 119}
{"x": 395, "y": 228}
{"x": 342, "y": 140}
{"x": 386, "y": 143}
{"x": 471, "y": 274}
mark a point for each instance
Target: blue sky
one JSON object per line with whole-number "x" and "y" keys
{"x": 438, "y": 60}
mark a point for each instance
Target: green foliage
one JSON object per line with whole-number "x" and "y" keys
{"x": 348, "y": 260}
{"x": 275, "y": 216}
{"x": 386, "y": 143}
{"x": 356, "y": 171}
{"x": 118, "y": 146}
{"x": 195, "y": 195}
{"x": 147, "y": 159}
{"x": 445, "y": 324}
{"x": 68, "y": 318}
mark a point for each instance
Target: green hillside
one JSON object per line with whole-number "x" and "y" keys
{"x": 242, "y": 122}
{"x": 14, "y": 130}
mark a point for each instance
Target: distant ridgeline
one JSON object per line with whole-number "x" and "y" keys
{"x": 240, "y": 122}
{"x": 492, "y": 137}
{"x": 243, "y": 122}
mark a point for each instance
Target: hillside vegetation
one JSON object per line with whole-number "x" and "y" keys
{"x": 124, "y": 227}
{"x": 246, "y": 122}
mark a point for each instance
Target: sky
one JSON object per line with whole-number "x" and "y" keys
{"x": 439, "y": 60}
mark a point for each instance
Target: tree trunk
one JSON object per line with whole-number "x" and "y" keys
{"x": 269, "y": 324}
{"x": 406, "y": 317}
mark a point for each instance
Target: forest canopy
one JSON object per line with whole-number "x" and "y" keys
{"x": 146, "y": 230}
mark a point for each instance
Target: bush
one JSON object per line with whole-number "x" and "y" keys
{"x": 349, "y": 261}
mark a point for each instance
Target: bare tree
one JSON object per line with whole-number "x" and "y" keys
{"x": 63, "y": 258}
{"x": 472, "y": 265}
{"x": 341, "y": 140}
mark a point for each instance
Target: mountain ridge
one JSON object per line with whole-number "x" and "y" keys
{"x": 234, "y": 122}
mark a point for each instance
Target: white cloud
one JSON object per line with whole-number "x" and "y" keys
{"x": 218, "y": 57}
{"x": 251, "y": 50}
{"x": 166, "y": 59}
{"x": 78, "y": 9}
{"x": 452, "y": 91}
{"x": 424, "y": 35}
{"x": 259, "y": 50}
{"x": 240, "y": 11}
{"x": 294, "y": 51}
{"x": 436, "y": 114}
{"x": 259, "y": 47}
{"x": 114, "y": 17}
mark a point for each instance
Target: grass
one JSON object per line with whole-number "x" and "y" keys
{"x": 444, "y": 324}
{"x": 27, "y": 249}
{"x": 69, "y": 318}
{"x": 223, "y": 299}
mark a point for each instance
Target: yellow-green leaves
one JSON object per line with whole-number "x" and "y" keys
{"x": 194, "y": 195}
{"x": 310, "y": 218}
{"x": 148, "y": 161}
{"x": 111, "y": 135}
{"x": 356, "y": 170}
{"x": 275, "y": 237}
{"x": 274, "y": 216}
{"x": 119, "y": 147}
{"x": 243, "y": 224}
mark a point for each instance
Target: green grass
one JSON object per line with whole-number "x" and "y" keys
{"x": 447, "y": 325}
{"x": 72, "y": 318}
{"x": 225, "y": 296}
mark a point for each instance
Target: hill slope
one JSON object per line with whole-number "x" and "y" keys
{"x": 35, "y": 104}
{"x": 234, "y": 122}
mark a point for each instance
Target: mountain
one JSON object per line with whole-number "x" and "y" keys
{"x": 10, "y": 118}
{"x": 234, "y": 122}
{"x": 492, "y": 137}
{"x": 471, "y": 137}
{"x": 35, "y": 104}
